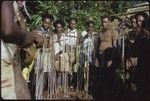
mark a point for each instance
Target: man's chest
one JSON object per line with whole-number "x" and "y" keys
{"x": 106, "y": 37}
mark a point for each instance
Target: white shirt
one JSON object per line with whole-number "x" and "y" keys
{"x": 84, "y": 33}
{"x": 59, "y": 45}
{"x": 71, "y": 37}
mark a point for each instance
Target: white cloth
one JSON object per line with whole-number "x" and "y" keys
{"x": 84, "y": 33}
{"x": 15, "y": 86}
{"x": 71, "y": 37}
{"x": 88, "y": 45}
{"x": 7, "y": 68}
{"x": 45, "y": 53}
{"x": 59, "y": 45}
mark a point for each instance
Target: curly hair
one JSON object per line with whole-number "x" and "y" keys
{"x": 70, "y": 19}
{"x": 47, "y": 16}
{"x": 143, "y": 14}
{"x": 59, "y": 22}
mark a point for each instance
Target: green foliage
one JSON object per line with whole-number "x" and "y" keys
{"x": 79, "y": 9}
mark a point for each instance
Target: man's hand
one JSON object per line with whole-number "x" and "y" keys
{"x": 109, "y": 63}
{"x": 38, "y": 40}
{"x": 28, "y": 40}
{"x": 96, "y": 62}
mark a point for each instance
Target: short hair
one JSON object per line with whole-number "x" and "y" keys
{"x": 59, "y": 22}
{"x": 70, "y": 19}
{"x": 90, "y": 22}
{"x": 108, "y": 17}
{"x": 143, "y": 14}
{"x": 47, "y": 16}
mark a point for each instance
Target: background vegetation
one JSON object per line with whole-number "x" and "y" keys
{"x": 82, "y": 10}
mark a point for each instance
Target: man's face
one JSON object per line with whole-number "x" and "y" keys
{"x": 72, "y": 24}
{"x": 47, "y": 23}
{"x": 105, "y": 23}
{"x": 140, "y": 20}
{"x": 133, "y": 23}
{"x": 146, "y": 31}
{"x": 59, "y": 28}
{"x": 90, "y": 27}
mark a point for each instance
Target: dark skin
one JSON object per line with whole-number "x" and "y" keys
{"x": 21, "y": 22}
{"x": 90, "y": 28}
{"x": 11, "y": 31}
{"x": 59, "y": 30}
{"x": 72, "y": 24}
{"x": 106, "y": 23}
{"x": 47, "y": 23}
{"x": 133, "y": 35}
{"x": 133, "y": 23}
{"x": 140, "y": 20}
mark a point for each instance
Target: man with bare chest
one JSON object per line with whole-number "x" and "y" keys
{"x": 107, "y": 60}
{"x": 108, "y": 41}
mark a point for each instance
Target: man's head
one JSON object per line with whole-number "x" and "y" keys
{"x": 106, "y": 22}
{"x": 145, "y": 27}
{"x": 140, "y": 17}
{"x": 72, "y": 23}
{"x": 59, "y": 25}
{"x": 133, "y": 22}
{"x": 47, "y": 20}
{"x": 90, "y": 26}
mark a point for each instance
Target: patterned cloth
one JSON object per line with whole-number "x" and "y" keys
{"x": 88, "y": 44}
{"x": 72, "y": 42}
{"x": 71, "y": 37}
{"x": 61, "y": 63}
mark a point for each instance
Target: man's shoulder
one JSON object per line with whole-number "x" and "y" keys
{"x": 65, "y": 30}
{"x": 95, "y": 33}
{"x": 114, "y": 31}
{"x": 38, "y": 28}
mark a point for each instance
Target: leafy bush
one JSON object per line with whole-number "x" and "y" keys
{"x": 82, "y": 10}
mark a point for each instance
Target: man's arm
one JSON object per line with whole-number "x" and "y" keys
{"x": 115, "y": 37}
{"x": 10, "y": 30}
{"x": 9, "y": 27}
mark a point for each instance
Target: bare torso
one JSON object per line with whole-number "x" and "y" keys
{"x": 107, "y": 39}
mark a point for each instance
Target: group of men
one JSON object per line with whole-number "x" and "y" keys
{"x": 137, "y": 56}
{"x": 67, "y": 59}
